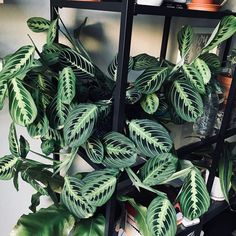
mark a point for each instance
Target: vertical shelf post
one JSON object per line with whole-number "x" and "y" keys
{"x": 165, "y": 37}
{"x": 222, "y": 132}
{"x": 126, "y": 25}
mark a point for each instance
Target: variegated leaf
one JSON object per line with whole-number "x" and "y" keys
{"x": 38, "y": 24}
{"x": 48, "y": 146}
{"x": 18, "y": 63}
{"x": 73, "y": 200}
{"x": 81, "y": 66}
{"x": 24, "y": 147}
{"x": 94, "y": 150}
{"x": 57, "y": 113}
{"x": 52, "y": 32}
{"x": 161, "y": 217}
{"x": 13, "y": 141}
{"x": 150, "y": 103}
{"x": 185, "y": 39}
{"x": 7, "y": 164}
{"x": 195, "y": 78}
{"x": 203, "y": 69}
{"x": 144, "y": 61}
{"x": 28, "y": 177}
{"x": 150, "y": 137}
{"x": 225, "y": 171}
{"x": 158, "y": 169}
{"x": 151, "y": 80}
{"x": 120, "y": 152}
{"x": 194, "y": 197}
{"x": 112, "y": 68}
{"x": 212, "y": 61}
{"x": 186, "y": 101}
{"x": 50, "y": 53}
{"x": 3, "y": 91}
{"x": 224, "y": 30}
{"x": 21, "y": 104}
{"x": 40, "y": 126}
{"x": 104, "y": 108}
{"x": 66, "y": 85}
{"x": 132, "y": 96}
{"x": 79, "y": 124}
{"x": 99, "y": 190}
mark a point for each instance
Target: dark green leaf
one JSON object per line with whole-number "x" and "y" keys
{"x": 13, "y": 141}
{"x": 94, "y": 226}
{"x": 79, "y": 124}
{"x": 161, "y": 217}
{"x": 120, "y": 152}
{"x": 151, "y": 80}
{"x": 150, "y": 137}
{"x": 38, "y": 24}
{"x": 24, "y": 147}
{"x": 185, "y": 39}
{"x": 46, "y": 222}
{"x": 150, "y": 103}
{"x": 144, "y": 61}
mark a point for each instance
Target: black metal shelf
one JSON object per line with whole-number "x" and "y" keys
{"x": 171, "y": 12}
{"x": 128, "y": 8}
{"x": 97, "y": 6}
{"x": 140, "y": 9}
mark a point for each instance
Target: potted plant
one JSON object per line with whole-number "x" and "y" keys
{"x": 65, "y": 101}
{"x": 225, "y": 77}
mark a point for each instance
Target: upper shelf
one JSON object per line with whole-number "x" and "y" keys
{"x": 99, "y": 6}
{"x": 140, "y": 9}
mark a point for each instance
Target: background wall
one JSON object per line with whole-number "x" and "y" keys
{"x": 101, "y": 37}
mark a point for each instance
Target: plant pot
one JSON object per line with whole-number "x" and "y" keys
{"x": 203, "y": 1}
{"x": 150, "y": 2}
{"x": 225, "y": 81}
{"x": 216, "y": 192}
{"x": 203, "y": 7}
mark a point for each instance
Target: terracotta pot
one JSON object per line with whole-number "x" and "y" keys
{"x": 203, "y": 1}
{"x": 225, "y": 81}
{"x": 203, "y": 7}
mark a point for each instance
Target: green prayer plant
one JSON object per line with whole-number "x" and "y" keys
{"x": 66, "y": 102}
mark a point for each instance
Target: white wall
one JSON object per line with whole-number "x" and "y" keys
{"x": 101, "y": 37}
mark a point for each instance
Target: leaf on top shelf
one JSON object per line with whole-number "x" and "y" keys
{"x": 185, "y": 39}
{"x": 144, "y": 61}
{"x": 38, "y": 24}
{"x": 81, "y": 66}
{"x": 151, "y": 80}
{"x": 186, "y": 101}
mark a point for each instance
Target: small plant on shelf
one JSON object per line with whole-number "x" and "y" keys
{"x": 65, "y": 101}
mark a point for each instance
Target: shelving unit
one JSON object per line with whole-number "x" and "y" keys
{"x": 128, "y": 9}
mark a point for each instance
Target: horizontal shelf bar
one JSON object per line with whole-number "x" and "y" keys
{"x": 206, "y": 141}
{"x": 99, "y": 6}
{"x": 165, "y": 11}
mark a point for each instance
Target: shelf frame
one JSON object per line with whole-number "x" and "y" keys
{"x": 128, "y": 9}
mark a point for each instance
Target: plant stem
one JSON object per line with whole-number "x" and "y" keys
{"x": 45, "y": 157}
{"x": 138, "y": 184}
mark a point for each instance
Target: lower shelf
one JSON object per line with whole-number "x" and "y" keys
{"x": 217, "y": 207}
